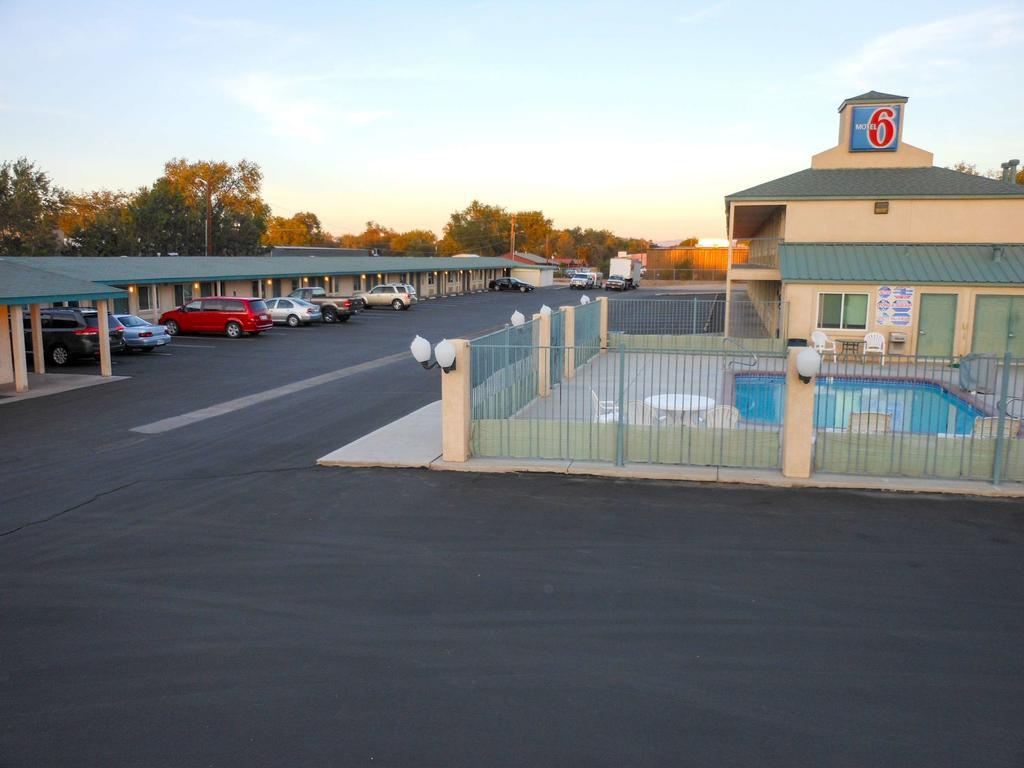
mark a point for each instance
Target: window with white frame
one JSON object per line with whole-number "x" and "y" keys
{"x": 843, "y": 311}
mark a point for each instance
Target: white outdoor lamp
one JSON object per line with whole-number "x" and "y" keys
{"x": 584, "y": 299}
{"x": 808, "y": 363}
{"x": 545, "y": 310}
{"x": 518, "y": 318}
{"x": 444, "y": 353}
{"x": 420, "y": 349}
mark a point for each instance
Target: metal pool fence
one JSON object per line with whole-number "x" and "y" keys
{"x": 696, "y": 322}
{"x": 622, "y": 405}
{"x": 920, "y": 417}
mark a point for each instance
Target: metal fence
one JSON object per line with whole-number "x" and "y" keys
{"x": 919, "y": 417}
{"x": 652, "y": 406}
{"x": 503, "y": 372}
{"x": 697, "y": 322}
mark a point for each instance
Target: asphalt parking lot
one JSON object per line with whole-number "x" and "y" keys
{"x": 205, "y": 595}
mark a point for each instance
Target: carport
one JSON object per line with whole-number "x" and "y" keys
{"x": 23, "y": 286}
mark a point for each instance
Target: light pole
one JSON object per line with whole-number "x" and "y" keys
{"x": 209, "y": 216}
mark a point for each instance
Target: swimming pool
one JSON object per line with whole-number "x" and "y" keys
{"x": 915, "y": 406}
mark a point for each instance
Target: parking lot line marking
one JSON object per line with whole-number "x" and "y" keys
{"x": 230, "y": 406}
{"x": 196, "y": 346}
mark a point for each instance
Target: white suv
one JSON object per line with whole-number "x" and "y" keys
{"x": 585, "y": 280}
{"x": 396, "y": 296}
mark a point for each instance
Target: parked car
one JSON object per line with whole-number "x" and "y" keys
{"x": 231, "y": 316}
{"x": 392, "y": 295}
{"x": 293, "y": 312}
{"x": 73, "y": 334}
{"x": 411, "y": 290}
{"x": 334, "y": 307}
{"x": 585, "y": 280}
{"x": 142, "y": 334}
{"x": 509, "y": 284}
{"x": 615, "y": 283}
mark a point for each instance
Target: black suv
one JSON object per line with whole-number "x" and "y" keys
{"x": 73, "y": 334}
{"x": 509, "y": 284}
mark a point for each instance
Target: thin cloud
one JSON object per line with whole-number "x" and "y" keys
{"x": 702, "y": 13}
{"x": 930, "y": 50}
{"x": 289, "y": 111}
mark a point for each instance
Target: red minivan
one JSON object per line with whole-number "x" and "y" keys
{"x": 219, "y": 314}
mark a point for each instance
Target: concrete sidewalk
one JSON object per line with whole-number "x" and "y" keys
{"x": 41, "y": 385}
{"x": 415, "y": 441}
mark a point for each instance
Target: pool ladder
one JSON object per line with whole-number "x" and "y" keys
{"x": 752, "y": 360}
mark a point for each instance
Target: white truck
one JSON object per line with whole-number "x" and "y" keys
{"x": 623, "y": 273}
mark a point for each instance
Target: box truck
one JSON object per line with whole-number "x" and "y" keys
{"x": 625, "y": 272}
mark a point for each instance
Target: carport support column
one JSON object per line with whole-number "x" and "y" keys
{"x": 6, "y": 358}
{"x": 543, "y": 354}
{"x": 17, "y": 326}
{"x": 456, "y": 405}
{"x": 797, "y": 422}
{"x": 104, "y": 330}
{"x": 133, "y": 299}
{"x": 38, "y": 358}
{"x": 602, "y": 302}
{"x": 569, "y": 340}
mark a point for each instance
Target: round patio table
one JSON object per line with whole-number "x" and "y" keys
{"x": 680, "y": 405}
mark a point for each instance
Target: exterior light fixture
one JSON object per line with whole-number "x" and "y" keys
{"x": 195, "y": 285}
{"x": 584, "y": 299}
{"x": 808, "y": 363}
{"x": 305, "y": 280}
{"x": 269, "y": 281}
{"x": 545, "y": 310}
{"x": 131, "y": 289}
{"x": 518, "y": 318}
{"x": 444, "y": 354}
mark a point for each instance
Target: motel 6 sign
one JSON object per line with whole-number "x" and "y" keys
{"x": 875, "y": 128}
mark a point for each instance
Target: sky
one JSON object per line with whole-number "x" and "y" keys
{"x": 634, "y": 116}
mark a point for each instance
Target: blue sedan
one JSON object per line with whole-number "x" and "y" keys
{"x": 142, "y": 334}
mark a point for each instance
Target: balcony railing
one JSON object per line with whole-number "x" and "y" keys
{"x": 762, "y": 253}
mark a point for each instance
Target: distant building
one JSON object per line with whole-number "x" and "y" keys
{"x": 524, "y": 257}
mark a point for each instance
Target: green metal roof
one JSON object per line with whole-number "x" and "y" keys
{"x": 915, "y": 264}
{"x": 878, "y": 184}
{"x": 125, "y": 270}
{"x": 25, "y": 283}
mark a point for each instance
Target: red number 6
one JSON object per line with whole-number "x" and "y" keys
{"x": 881, "y": 130}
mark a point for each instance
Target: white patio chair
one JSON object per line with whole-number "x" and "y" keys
{"x": 874, "y": 342}
{"x": 988, "y": 427}
{"x": 604, "y": 410}
{"x": 822, "y": 344}
{"x": 870, "y": 423}
{"x": 722, "y": 417}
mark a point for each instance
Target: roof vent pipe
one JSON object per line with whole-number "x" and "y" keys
{"x": 1010, "y": 171}
{"x": 997, "y": 253}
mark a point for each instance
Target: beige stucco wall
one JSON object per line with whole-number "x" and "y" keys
{"x": 908, "y": 221}
{"x": 802, "y": 299}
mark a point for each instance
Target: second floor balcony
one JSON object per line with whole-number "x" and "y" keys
{"x": 760, "y": 253}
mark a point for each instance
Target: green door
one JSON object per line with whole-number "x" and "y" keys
{"x": 999, "y": 325}
{"x": 936, "y": 326}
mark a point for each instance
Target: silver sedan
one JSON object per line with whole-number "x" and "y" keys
{"x": 293, "y": 312}
{"x": 142, "y": 334}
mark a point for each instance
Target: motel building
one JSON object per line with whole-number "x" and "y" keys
{"x": 874, "y": 238}
{"x": 148, "y": 286}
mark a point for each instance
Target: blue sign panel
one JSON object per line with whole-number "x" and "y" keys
{"x": 875, "y": 128}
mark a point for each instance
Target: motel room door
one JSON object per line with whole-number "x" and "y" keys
{"x": 936, "y": 327}
{"x": 999, "y": 325}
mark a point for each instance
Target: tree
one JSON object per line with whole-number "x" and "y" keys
{"x": 479, "y": 228}
{"x": 689, "y": 242}
{"x": 98, "y": 224}
{"x": 165, "y": 222}
{"x": 373, "y": 236}
{"x": 303, "y": 228}
{"x": 29, "y": 207}
{"x": 972, "y": 170}
{"x": 533, "y": 232}
{"x": 237, "y": 213}
{"x": 415, "y": 242}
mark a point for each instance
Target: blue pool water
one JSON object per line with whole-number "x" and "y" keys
{"x": 914, "y": 406}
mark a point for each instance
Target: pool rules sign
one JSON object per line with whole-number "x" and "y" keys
{"x": 895, "y": 306}
{"x": 875, "y": 128}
